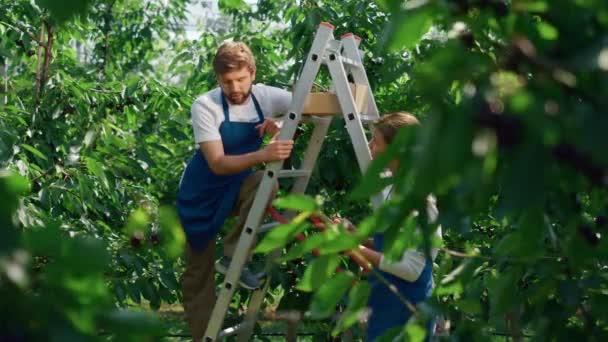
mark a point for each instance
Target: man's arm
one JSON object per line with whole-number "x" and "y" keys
{"x": 281, "y": 101}
{"x": 223, "y": 164}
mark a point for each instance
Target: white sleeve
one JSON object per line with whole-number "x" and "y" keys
{"x": 408, "y": 268}
{"x": 279, "y": 100}
{"x": 204, "y": 123}
{"x": 413, "y": 261}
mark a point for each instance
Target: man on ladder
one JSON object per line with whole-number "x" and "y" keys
{"x": 229, "y": 123}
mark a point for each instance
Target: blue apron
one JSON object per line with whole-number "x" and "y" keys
{"x": 205, "y": 200}
{"x": 387, "y": 309}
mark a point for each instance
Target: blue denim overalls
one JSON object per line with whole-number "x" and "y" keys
{"x": 205, "y": 199}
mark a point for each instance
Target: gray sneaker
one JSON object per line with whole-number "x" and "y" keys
{"x": 248, "y": 280}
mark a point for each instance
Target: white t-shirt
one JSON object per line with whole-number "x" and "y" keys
{"x": 412, "y": 262}
{"x": 208, "y": 114}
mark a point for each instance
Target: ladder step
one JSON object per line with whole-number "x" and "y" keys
{"x": 232, "y": 330}
{"x": 294, "y": 173}
{"x": 350, "y": 62}
{"x": 367, "y": 117}
{"x": 268, "y": 226}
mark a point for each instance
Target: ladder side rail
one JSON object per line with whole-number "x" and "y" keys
{"x": 301, "y": 90}
{"x": 312, "y": 152}
{"x": 351, "y": 51}
{"x": 352, "y": 118}
{"x": 239, "y": 258}
{"x": 256, "y": 301}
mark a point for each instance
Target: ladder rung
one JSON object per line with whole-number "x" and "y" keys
{"x": 350, "y": 62}
{"x": 232, "y": 330}
{"x": 367, "y": 117}
{"x": 268, "y": 226}
{"x": 294, "y": 173}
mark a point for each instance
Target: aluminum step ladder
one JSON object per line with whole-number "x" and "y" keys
{"x": 342, "y": 58}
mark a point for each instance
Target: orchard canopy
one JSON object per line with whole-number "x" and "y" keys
{"x": 95, "y": 132}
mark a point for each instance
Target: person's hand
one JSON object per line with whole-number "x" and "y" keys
{"x": 277, "y": 150}
{"x": 269, "y": 126}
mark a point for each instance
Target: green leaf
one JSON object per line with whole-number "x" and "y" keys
{"x": 97, "y": 169}
{"x": 232, "y": 5}
{"x": 14, "y": 184}
{"x": 120, "y": 291}
{"x": 521, "y": 101}
{"x": 281, "y": 235}
{"x": 357, "y": 302}
{"x": 338, "y": 241}
{"x": 450, "y": 289}
{"x": 329, "y": 295}
{"x": 35, "y": 151}
{"x": 62, "y": 10}
{"x": 168, "y": 279}
{"x": 172, "y": 234}
{"x": 321, "y": 269}
{"x": 502, "y": 291}
{"x": 415, "y": 333}
{"x": 134, "y": 292}
{"x": 138, "y": 221}
{"x": 299, "y": 249}
{"x": 297, "y": 202}
{"x": 408, "y": 28}
{"x": 400, "y": 239}
{"x": 532, "y": 5}
{"x": 547, "y": 31}
{"x": 470, "y": 306}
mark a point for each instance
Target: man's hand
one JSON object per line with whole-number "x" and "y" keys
{"x": 277, "y": 150}
{"x": 269, "y": 126}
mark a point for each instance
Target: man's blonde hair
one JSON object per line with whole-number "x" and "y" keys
{"x": 232, "y": 56}
{"x": 389, "y": 124}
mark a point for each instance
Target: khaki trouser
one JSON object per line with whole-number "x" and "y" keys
{"x": 198, "y": 280}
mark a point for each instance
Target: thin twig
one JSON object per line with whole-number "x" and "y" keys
{"x": 44, "y": 173}
{"x": 23, "y": 29}
{"x": 484, "y": 257}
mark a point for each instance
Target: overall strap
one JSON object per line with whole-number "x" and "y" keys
{"x": 225, "y": 107}
{"x": 258, "y": 109}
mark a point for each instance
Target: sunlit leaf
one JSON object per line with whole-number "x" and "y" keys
{"x": 318, "y": 272}
{"x": 329, "y": 295}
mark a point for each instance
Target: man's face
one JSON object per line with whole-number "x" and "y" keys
{"x": 236, "y": 84}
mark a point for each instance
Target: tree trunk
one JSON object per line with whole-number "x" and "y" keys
{"x": 48, "y": 55}
{"x": 4, "y": 88}
{"x": 514, "y": 326}
{"x": 38, "y": 63}
{"x": 292, "y": 332}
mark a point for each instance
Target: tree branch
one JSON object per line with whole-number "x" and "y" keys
{"x": 107, "y": 28}
{"x": 38, "y": 62}
{"x": 48, "y": 54}
{"x": 20, "y": 27}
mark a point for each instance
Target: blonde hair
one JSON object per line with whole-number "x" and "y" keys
{"x": 231, "y": 56}
{"x": 389, "y": 124}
